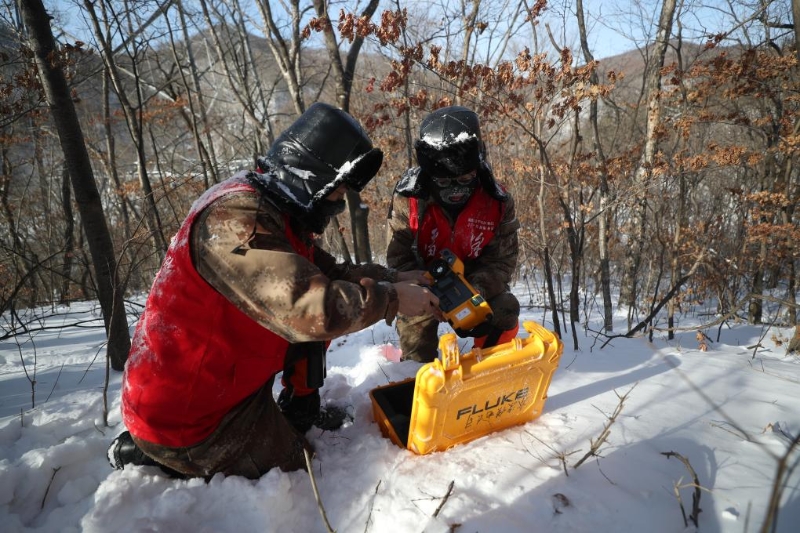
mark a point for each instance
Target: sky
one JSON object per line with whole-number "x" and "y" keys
{"x": 613, "y": 26}
{"x": 730, "y": 412}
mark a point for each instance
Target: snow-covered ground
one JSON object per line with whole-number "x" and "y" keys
{"x": 731, "y": 412}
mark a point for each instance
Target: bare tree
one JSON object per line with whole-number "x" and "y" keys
{"x": 343, "y": 73}
{"x": 604, "y": 199}
{"x": 285, "y": 45}
{"x": 647, "y": 161}
{"x": 198, "y": 115}
{"x": 133, "y": 112}
{"x": 80, "y": 171}
{"x": 240, "y": 68}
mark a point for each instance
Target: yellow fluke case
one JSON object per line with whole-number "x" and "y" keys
{"x": 460, "y": 397}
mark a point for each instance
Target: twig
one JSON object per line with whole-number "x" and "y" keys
{"x": 47, "y": 490}
{"x": 96, "y": 354}
{"x": 444, "y": 500}
{"x": 595, "y": 444}
{"x": 654, "y": 311}
{"x": 604, "y": 475}
{"x": 741, "y": 433}
{"x": 782, "y": 475}
{"x": 371, "y": 505}
{"x": 94, "y": 323}
{"x": 733, "y": 313}
{"x": 561, "y": 456}
{"x": 384, "y": 373}
{"x": 695, "y": 516}
{"x": 316, "y": 492}
{"x": 55, "y": 382}
{"x": 676, "y": 488}
{"x": 747, "y": 516}
{"x": 764, "y": 334}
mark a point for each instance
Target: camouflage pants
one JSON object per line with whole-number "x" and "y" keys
{"x": 419, "y": 336}
{"x": 253, "y": 438}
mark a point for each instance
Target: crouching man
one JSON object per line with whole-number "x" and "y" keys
{"x": 243, "y": 294}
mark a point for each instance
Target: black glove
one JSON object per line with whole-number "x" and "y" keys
{"x": 300, "y": 411}
{"x": 480, "y": 330}
{"x": 305, "y": 411}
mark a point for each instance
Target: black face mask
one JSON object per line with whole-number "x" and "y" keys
{"x": 455, "y": 195}
{"x": 322, "y": 213}
{"x": 329, "y": 208}
{"x": 317, "y": 220}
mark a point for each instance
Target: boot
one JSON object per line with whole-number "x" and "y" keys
{"x": 305, "y": 411}
{"x": 124, "y": 451}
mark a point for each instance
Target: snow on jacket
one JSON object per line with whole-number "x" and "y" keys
{"x": 483, "y": 235}
{"x": 238, "y": 285}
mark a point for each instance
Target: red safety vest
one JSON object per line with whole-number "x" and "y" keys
{"x": 195, "y": 355}
{"x": 474, "y": 228}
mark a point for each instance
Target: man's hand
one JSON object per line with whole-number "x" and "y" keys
{"x": 416, "y": 300}
{"x": 414, "y": 276}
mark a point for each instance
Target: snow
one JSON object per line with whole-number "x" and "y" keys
{"x": 436, "y": 141}
{"x": 731, "y": 412}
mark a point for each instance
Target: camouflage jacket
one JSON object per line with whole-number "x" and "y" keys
{"x": 240, "y": 246}
{"x": 195, "y": 355}
{"x": 491, "y": 273}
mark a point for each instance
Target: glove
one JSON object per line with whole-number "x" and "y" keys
{"x": 305, "y": 411}
{"x": 480, "y": 330}
{"x": 300, "y": 411}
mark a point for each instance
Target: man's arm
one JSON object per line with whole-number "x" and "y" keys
{"x": 350, "y": 272}
{"x": 240, "y": 247}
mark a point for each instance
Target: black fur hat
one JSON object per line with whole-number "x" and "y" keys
{"x": 323, "y": 149}
{"x": 449, "y": 142}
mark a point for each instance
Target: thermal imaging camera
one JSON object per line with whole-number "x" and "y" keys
{"x": 461, "y": 304}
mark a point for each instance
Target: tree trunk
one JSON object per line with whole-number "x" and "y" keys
{"x": 206, "y": 153}
{"x": 343, "y": 75}
{"x": 548, "y": 271}
{"x": 652, "y": 89}
{"x": 468, "y": 20}
{"x": 603, "y": 219}
{"x": 69, "y": 237}
{"x": 135, "y": 127}
{"x": 755, "y": 308}
{"x": 791, "y": 314}
{"x": 240, "y": 80}
{"x": 794, "y": 342}
{"x": 22, "y": 272}
{"x": 575, "y": 234}
{"x": 80, "y": 171}
{"x": 286, "y": 54}
{"x": 796, "y": 20}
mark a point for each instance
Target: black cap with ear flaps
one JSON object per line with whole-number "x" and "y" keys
{"x": 450, "y": 145}
{"x": 323, "y": 149}
{"x": 449, "y": 142}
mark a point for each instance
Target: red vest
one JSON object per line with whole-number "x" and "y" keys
{"x": 194, "y": 355}
{"x": 473, "y": 229}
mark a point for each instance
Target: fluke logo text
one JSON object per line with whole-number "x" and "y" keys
{"x": 474, "y": 409}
